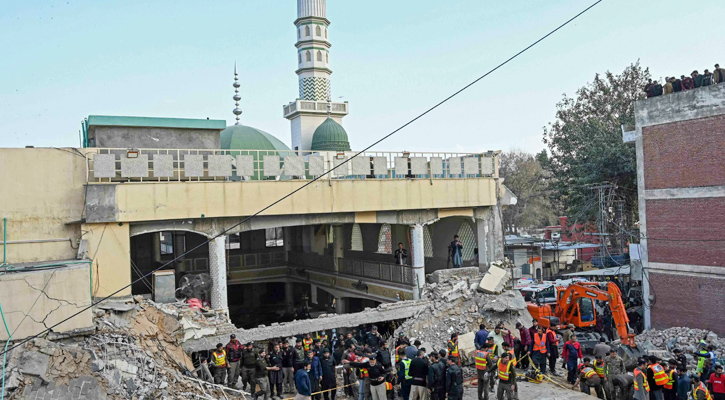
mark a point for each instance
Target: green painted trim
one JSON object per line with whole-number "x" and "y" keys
{"x": 312, "y": 20}
{"x": 154, "y": 122}
{"x": 314, "y": 48}
{"x": 321, "y": 42}
{"x": 301, "y": 70}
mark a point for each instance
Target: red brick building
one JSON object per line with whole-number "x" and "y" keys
{"x": 680, "y": 141}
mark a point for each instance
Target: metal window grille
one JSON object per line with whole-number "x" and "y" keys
{"x": 427, "y": 242}
{"x": 465, "y": 234}
{"x": 385, "y": 240}
{"x": 356, "y": 239}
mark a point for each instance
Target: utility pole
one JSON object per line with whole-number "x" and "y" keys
{"x": 602, "y": 219}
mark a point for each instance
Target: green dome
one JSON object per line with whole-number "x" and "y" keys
{"x": 241, "y": 137}
{"x": 330, "y": 136}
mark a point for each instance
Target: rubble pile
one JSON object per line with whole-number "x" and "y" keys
{"x": 685, "y": 339}
{"x": 458, "y": 304}
{"x": 135, "y": 353}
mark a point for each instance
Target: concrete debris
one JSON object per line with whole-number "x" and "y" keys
{"x": 662, "y": 342}
{"x": 457, "y": 305}
{"x": 496, "y": 279}
{"x": 115, "y": 306}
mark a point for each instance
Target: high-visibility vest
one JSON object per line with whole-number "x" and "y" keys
{"x": 540, "y": 343}
{"x": 554, "y": 334}
{"x": 513, "y": 356}
{"x": 504, "y": 370}
{"x": 637, "y": 372}
{"x": 364, "y": 371}
{"x": 406, "y": 363}
{"x": 220, "y": 360}
{"x": 670, "y": 383}
{"x": 322, "y": 337}
{"x": 701, "y": 386}
{"x": 454, "y": 348}
{"x": 388, "y": 386}
{"x": 660, "y": 375}
{"x": 481, "y": 359}
{"x": 493, "y": 349}
{"x": 306, "y": 343}
{"x": 397, "y": 355}
{"x": 588, "y": 372}
{"x": 599, "y": 368}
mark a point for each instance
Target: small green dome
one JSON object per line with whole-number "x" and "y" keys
{"x": 241, "y": 137}
{"x": 330, "y": 136}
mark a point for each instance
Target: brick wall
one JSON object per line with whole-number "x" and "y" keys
{"x": 688, "y": 301}
{"x": 685, "y": 154}
{"x": 691, "y": 220}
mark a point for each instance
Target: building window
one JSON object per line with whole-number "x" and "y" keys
{"x": 300, "y": 57}
{"x": 166, "y": 240}
{"x": 327, "y": 58}
{"x": 308, "y": 57}
{"x": 325, "y": 33}
{"x": 465, "y": 234}
{"x": 385, "y": 240}
{"x": 318, "y": 31}
{"x": 356, "y": 239}
{"x": 319, "y": 55}
{"x": 274, "y": 237}
{"x": 427, "y": 242}
{"x": 299, "y": 33}
{"x": 307, "y": 30}
{"x": 234, "y": 241}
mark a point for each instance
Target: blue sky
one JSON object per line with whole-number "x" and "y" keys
{"x": 64, "y": 60}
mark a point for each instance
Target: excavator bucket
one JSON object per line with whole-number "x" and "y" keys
{"x": 630, "y": 355}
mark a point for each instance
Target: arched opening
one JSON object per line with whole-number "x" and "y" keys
{"x": 299, "y": 58}
{"x": 299, "y": 33}
{"x": 356, "y": 238}
{"x": 385, "y": 240}
{"x": 325, "y": 33}
{"x": 307, "y": 31}
{"x": 308, "y": 56}
{"x": 327, "y": 58}
{"x": 427, "y": 242}
{"x": 319, "y": 55}
{"x": 318, "y": 31}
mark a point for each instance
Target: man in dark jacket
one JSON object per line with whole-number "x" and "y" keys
{"x": 302, "y": 382}
{"x": 454, "y": 380}
{"x": 234, "y": 355}
{"x": 419, "y": 372}
{"x": 315, "y": 373}
{"x": 288, "y": 363}
{"x": 376, "y": 373}
{"x": 437, "y": 377}
{"x": 260, "y": 376}
{"x": 249, "y": 362}
{"x": 696, "y": 78}
{"x": 480, "y": 339}
{"x": 274, "y": 359}
{"x": 374, "y": 339}
{"x": 383, "y": 355}
{"x": 329, "y": 380}
{"x": 404, "y": 378}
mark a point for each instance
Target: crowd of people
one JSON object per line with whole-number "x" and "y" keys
{"x": 695, "y": 80}
{"x": 369, "y": 370}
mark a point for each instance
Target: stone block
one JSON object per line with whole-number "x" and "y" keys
{"x": 163, "y": 165}
{"x": 401, "y": 166}
{"x": 193, "y": 165}
{"x": 444, "y": 275}
{"x": 135, "y": 167}
{"x": 33, "y": 363}
{"x": 419, "y": 166}
{"x": 245, "y": 165}
{"x": 220, "y": 165}
{"x": 361, "y": 165}
{"x": 316, "y": 165}
{"x": 454, "y": 166}
{"x": 341, "y": 167}
{"x": 380, "y": 166}
{"x": 436, "y": 166}
{"x": 494, "y": 280}
{"x": 104, "y": 166}
{"x": 271, "y": 165}
{"x": 470, "y": 166}
{"x": 294, "y": 166}
{"x": 466, "y": 347}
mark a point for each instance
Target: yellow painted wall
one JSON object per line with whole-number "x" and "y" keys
{"x": 41, "y": 192}
{"x": 21, "y": 294}
{"x": 109, "y": 246}
{"x": 178, "y": 200}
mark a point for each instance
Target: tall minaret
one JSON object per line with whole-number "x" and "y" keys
{"x": 313, "y": 69}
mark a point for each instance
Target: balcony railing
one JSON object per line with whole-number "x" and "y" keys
{"x": 172, "y": 165}
{"x": 360, "y": 268}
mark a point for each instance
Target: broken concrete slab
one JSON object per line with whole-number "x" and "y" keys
{"x": 33, "y": 363}
{"x": 116, "y": 306}
{"x": 445, "y": 275}
{"x": 494, "y": 281}
{"x": 466, "y": 346}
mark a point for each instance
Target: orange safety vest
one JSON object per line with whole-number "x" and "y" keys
{"x": 481, "y": 359}
{"x": 702, "y": 387}
{"x": 588, "y": 372}
{"x": 388, "y": 386}
{"x": 322, "y": 337}
{"x": 397, "y": 355}
{"x": 364, "y": 371}
{"x": 306, "y": 344}
{"x": 454, "y": 348}
{"x": 513, "y": 356}
{"x": 220, "y": 360}
{"x": 599, "y": 368}
{"x": 504, "y": 370}
{"x": 671, "y": 382}
{"x": 637, "y": 372}
{"x": 539, "y": 343}
{"x": 660, "y": 375}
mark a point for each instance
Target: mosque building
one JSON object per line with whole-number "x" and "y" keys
{"x": 172, "y": 197}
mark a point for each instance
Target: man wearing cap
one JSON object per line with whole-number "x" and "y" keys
{"x": 329, "y": 380}
{"x": 260, "y": 376}
{"x": 589, "y": 379}
{"x": 670, "y": 388}
{"x": 234, "y": 354}
{"x": 288, "y": 363}
{"x": 615, "y": 366}
{"x": 506, "y": 377}
{"x": 374, "y": 339}
{"x": 454, "y": 379}
{"x": 249, "y": 365}
{"x": 376, "y": 373}
{"x": 274, "y": 359}
{"x": 655, "y": 378}
{"x": 716, "y": 383}
{"x": 699, "y": 390}
{"x": 681, "y": 358}
{"x": 641, "y": 386}
{"x": 219, "y": 360}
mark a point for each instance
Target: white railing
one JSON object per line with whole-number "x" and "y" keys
{"x": 107, "y": 165}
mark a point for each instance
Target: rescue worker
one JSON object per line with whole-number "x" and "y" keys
{"x": 615, "y": 366}
{"x": 402, "y": 344}
{"x": 437, "y": 377}
{"x": 641, "y": 386}
{"x": 299, "y": 356}
{"x": 492, "y": 377}
{"x": 453, "y": 345}
{"x": 553, "y": 343}
{"x": 571, "y": 354}
{"x": 599, "y": 367}
{"x": 506, "y": 377}
{"x": 307, "y": 342}
{"x": 249, "y": 365}
{"x": 389, "y": 386}
{"x": 234, "y": 355}
{"x": 404, "y": 377}
{"x": 219, "y": 357}
{"x": 454, "y": 379}
{"x": 322, "y": 336}
{"x": 699, "y": 391}
{"x": 701, "y": 356}
{"x": 539, "y": 349}
{"x": 656, "y": 378}
{"x": 260, "y": 376}
{"x": 507, "y": 349}
{"x": 670, "y": 388}
{"x": 484, "y": 367}
{"x": 588, "y": 379}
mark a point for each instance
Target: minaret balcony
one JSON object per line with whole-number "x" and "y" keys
{"x": 314, "y": 107}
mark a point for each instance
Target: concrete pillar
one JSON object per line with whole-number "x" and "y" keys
{"x": 179, "y": 246}
{"x": 287, "y": 238}
{"x": 482, "y": 238}
{"x": 498, "y": 241}
{"x": 156, "y": 245}
{"x": 418, "y": 254}
{"x": 308, "y": 232}
{"x": 340, "y": 305}
{"x": 338, "y": 245}
{"x": 218, "y": 272}
{"x": 289, "y": 301}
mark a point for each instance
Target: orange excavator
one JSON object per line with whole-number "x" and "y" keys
{"x": 575, "y": 305}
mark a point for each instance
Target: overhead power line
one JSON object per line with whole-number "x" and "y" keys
{"x": 421, "y": 115}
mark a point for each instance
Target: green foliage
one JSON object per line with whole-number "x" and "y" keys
{"x": 524, "y": 176}
{"x": 585, "y": 143}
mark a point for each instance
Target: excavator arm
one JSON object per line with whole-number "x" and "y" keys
{"x": 566, "y": 305}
